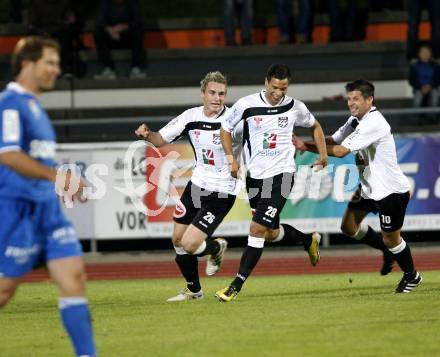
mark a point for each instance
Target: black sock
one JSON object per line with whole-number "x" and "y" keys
{"x": 374, "y": 240}
{"x": 296, "y": 236}
{"x": 405, "y": 260}
{"x": 248, "y": 261}
{"x": 188, "y": 265}
{"x": 212, "y": 247}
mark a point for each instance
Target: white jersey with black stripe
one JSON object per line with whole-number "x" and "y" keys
{"x": 267, "y": 132}
{"x": 372, "y": 142}
{"x": 211, "y": 169}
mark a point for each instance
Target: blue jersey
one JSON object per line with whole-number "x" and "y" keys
{"x": 25, "y": 126}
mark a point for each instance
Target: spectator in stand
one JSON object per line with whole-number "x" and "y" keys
{"x": 414, "y": 14}
{"x": 348, "y": 20}
{"x": 120, "y": 25}
{"x": 243, "y": 11}
{"x": 303, "y": 22}
{"x": 57, "y": 19}
{"x": 424, "y": 77}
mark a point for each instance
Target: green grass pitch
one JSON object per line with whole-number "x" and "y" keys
{"x": 308, "y": 315}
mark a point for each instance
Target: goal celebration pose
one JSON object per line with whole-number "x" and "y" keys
{"x": 384, "y": 189}
{"x": 268, "y": 120}
{"x": 211, "y": 192}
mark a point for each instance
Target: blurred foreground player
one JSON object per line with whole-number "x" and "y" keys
{"x": 33, "y": 228}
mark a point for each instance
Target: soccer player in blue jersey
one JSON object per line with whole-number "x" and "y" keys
{"x": 33, "y": 229}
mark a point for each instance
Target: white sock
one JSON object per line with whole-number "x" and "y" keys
{"x": 362, "y": 231}
{"x": 255, "y": 242}
{"x": 398, "y": 248}
{"x": 200, "y": 249}
{"x": 180, "y": 250}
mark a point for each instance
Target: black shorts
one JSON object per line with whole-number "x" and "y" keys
{"x": 267, "y": 198}
{"x": 202, "y": 208}
{"x": 391, "y": 209}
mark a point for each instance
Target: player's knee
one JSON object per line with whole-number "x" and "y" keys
{"x": 272, "y": 234}
{"x": 257, "y": 230}
{"x": 189, "y": 245}
{"x": 176, "y": 239}
{"x": 391, "y": 239}
{"x": 75, "y": 284}
{"x": 348, "y": 230}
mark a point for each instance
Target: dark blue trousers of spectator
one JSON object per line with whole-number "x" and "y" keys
{"x": 132, "y": 38}
{"x": 243, "y": 10}
{"x": 303, "y": 21}
{"x": 347, "y": 23}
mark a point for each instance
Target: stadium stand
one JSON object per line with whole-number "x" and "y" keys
{"x": 181, "y": 49}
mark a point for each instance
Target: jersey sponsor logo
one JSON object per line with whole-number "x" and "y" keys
{"x": 208, "y": 157}
{"x": 179, "y": 210}
{"x": 65, "y": 235}
{"x": 206, "y": 126}
{"x": 257, "y": 121}
{"x": 11, "y": 126}
{"x": 216, "y": 139}
{"x": 21, "y": 255}
{"x": 269, "y": 141}
{"x": 283, "y": 121}
{"x": 42, "y": 149}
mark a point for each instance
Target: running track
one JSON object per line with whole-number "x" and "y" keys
{"x": 268, "y": 266}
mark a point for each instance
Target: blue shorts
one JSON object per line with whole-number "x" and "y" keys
{"x": 32, "y": 233}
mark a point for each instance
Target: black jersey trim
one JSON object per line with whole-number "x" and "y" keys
{"x": 254, "y": 111}
{"x": 246, "y": 137}
{"x": 222, "y": 112}
{"x": 200, "y": 125}
{"x": 194, "y": 151}
{"x": 354, "y": 123}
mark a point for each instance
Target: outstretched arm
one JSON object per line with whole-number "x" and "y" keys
{"x": 226, "y": 139}
{"x": 333, "y": 149}
{"x": 153, "y": 137}
{"x": 319, "y": 141}
{"x": 29, "y": 167}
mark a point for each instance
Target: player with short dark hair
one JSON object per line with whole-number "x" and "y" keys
{"x": 268, "y": 119}
{"x": 211, "y": 192}
{"x": 384, "y": 189}
{"x": 34, "y": 229}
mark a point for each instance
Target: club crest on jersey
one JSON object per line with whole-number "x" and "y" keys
{"x": 208, "y": 157}
{"x": 216, "y": 139}
{"x": 269, "y": 141}
{"x": 196, "y": 135}
{"x": 33, "y": 106}
{"x": 257, "y": 121}
{"x": 283, "y": 121}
